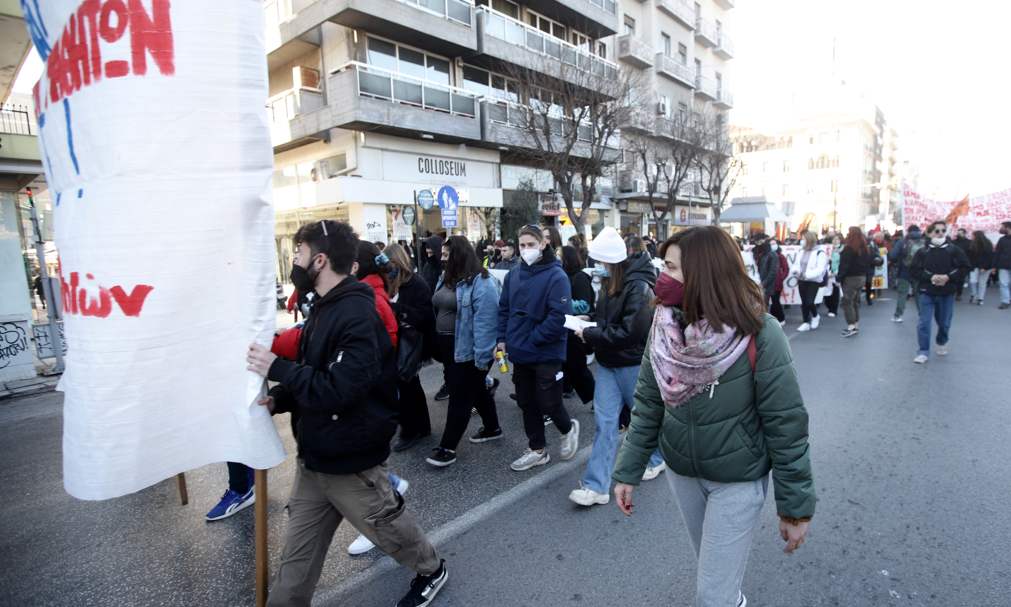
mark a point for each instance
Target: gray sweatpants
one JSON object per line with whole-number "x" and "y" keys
{"x": 721, "y": 519}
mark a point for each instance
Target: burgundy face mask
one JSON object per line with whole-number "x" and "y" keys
{"x": 670, "y": 291}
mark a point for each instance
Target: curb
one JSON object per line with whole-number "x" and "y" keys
{"x": 27, "y": 387}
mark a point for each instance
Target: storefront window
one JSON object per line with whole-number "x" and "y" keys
{"x": 631, "y": 224}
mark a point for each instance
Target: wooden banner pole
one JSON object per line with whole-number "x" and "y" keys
{"x": 181, "y": 488}
{"x": 260, "y": 515}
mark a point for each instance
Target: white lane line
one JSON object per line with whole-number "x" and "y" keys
{"x": 455, "y": 527}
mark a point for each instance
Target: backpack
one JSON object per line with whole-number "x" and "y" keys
{"x": 912, "y": 246}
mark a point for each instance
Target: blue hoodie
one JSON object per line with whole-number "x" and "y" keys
{"x": 531, "y": 313}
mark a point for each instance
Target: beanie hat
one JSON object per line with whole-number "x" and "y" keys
{"x": 608, "y": 247}
{"x": 499, "y": 243}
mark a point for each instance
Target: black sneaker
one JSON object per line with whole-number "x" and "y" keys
{"x": 443, "y": 393}
{"x": 494, "y": 387}
{"x": 484, "y": 435}
{"x": 425, "y": 587}
{"x": 513, "y": 396}
{"x": 442, "y": 458}
{"x": 548, "y": 421}
{"x": 849, "y": 332}
{"x": 569, "y": 394}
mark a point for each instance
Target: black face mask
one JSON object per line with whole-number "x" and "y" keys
{"x": 301, "y": 279}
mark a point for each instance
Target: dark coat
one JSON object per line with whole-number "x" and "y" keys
{"x": 768, "y": 267}
{"x": 532, "y": 309}
{"x": 963, "y": 243}
{"x": 343, "y": 383}
{"x": 414, "y": 305}
{"x": 852, "y": 264}
{"x": 945, "y": 259}
{"x": 507, "y": 264}
{"x": 1002, "y": 254}
{"x": 982, "y": 260}
{"x": 431, "y": 267}
{"x": 898, "y": 253}
{"x": 623, "y": 321}
{"x": 582, "y": 288}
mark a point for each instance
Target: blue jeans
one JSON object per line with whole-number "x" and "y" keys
{"x": 940, "y": 308}
{"x": 615, "y": 386}
{"x": 1004, "y": 278}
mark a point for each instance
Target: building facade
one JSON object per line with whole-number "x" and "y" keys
{"x": 833, "y": 165}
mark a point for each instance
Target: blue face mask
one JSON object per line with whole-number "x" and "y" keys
{"x": 601, "y": 270}
{"x": 394, "y": 272}
{"x": 774, "y": 247}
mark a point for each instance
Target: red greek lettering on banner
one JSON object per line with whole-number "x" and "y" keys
{"x": 79, "y": 300}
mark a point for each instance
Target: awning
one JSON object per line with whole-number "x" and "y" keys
{"x": 747, "y": 212}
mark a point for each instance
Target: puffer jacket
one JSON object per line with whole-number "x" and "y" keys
{"x": 749, "y": 423}
{"x": 623, "y": 321}
{"x": 532, "y": 309}
{"x": 945, "y": 259}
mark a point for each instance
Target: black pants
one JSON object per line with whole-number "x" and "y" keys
{"x": 414, "y": 420}
{"x": 466, "y": 391}
{"x": 539, "y": 393}
{"x": 808, "y": 291}
{"x": 576, "y": 374}
{"x": 832, "y": 301}
{"x": 239, "y": 479}
{"x": 776, "y": 307}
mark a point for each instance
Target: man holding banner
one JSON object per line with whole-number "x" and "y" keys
{"x": 939, "y": 267}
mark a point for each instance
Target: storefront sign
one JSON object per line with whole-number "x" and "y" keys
{"x": 693, "y": 216}
{"x": 473, "y": 224}
{"x": 409, "y": 216}
{"x": 401, "y": 166}
{"x": 426, "y": 199}
{"x": 642, "y": 208}
{"x": 551, "y": 206}
{"x": 448, "y": 202}
{"x": 402, "y": 229}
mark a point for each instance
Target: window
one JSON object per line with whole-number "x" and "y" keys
{"x": 407, "y": 61}
{"x": 682, "y": 110}
{"x": 665, "y": 105}
{"x": 835, "y": 162}
{"x": 822, "y": 137}
{"x": 810, "y": 164}
{"x": 744, "y": 191}
{"x": 382, "y": 54}
{"x": 744, "y": 168}
{"x": 719, "y": 30}
{"x": 789, "y": 142}
{"x": 629, "y": 25}
{"x": 786, "y": 166}
{"x": 834, "y": 185}
{"x": 503, "y": 6}
{"x": 546, "y": 25}
{"x": 602, "y": 50}
{"x": 682, "y": 54}
{"x": 810, "y": 139}
{"x": 786, "y": 190}
{"x": 475, "y": 80}
{"x": 665, "y": 44}
{"x": 582, "y": 41}
{"x": 823, "y": 161}
{"x": 698, "y": 68}
{"x": 719, "y": 82}
{"x": 698, "y": 11}
{"x": 329, "y": 167}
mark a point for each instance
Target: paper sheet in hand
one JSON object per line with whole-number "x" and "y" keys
{"x": 571, "y": 322}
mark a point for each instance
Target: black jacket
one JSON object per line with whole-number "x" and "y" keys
{"x": 768, "y": 266}
{"x": 945, "y": 259}
{"x": 624, "y": 321}
{"x": 414, "y": 305}
{"x": 1002, "y": 254}
{"x": 431, "y": 267}
{"x": 507, "y": 264}
{"x": 982, "y": 260}
{"x": 343, "y": 383}
{"x": 852, "y": 264}
{"x": 962, "y": 243}
{"x": 582, "y": 289}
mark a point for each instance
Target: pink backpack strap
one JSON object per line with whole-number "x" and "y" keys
{"x": 752, "y": 353}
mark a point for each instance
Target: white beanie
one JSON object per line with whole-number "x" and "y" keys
{"x": 608, "y": 246}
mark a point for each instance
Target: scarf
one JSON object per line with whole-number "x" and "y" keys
{"x": 686, "y": 362}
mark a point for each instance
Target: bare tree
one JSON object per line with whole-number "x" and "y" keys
{"x": 567, "y": 121}
{"x": 682, "y": 137}
{"x": 720, "y": 170}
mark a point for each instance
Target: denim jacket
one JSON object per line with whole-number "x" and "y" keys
{"x": 476, "y": 320}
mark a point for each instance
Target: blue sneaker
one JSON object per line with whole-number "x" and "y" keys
{"x": 231, "y": 502}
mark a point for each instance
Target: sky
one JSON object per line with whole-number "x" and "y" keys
{"x": 939, "y": 75}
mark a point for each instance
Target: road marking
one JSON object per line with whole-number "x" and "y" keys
{"x": 455, "y": 527}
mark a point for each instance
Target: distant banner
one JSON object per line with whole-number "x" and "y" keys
{"x": 791, "y": 294}
{"x": 978, "y": 213}
{"x": 159, "y": 162}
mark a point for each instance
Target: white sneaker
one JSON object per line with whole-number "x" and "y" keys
{"x": 922, "y": 358}
{"x": 896, "y": 319}
{"x": 942, "y": 350}
{"x": 588, "y": 497}
{"x": 830, "y": 315}
{"x": 570, "y": 442}
{"x": 589, "y": 359}
{"x": 742, "y": 602}
{"x": 815, "y": 322}
{"x": 804, "y": 327}
{"x": 363, "y": 544}
{"x": 529, "y": 459}
{"x": 654, "y": 471}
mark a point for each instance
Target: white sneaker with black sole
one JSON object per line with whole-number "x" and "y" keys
{"x": 425, "y": 587}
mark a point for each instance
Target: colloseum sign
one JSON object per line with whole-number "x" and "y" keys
{"x": 401, "y": 166}
{"x": 437, "y": 166}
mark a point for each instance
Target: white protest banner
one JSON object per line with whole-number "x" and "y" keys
{"x": 143, "y": 105}
{"x": 880, "y": 278}
{"x": 977, "y": 213}
{"x": 790, "y": 295}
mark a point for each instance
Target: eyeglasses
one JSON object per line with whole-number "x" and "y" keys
{"x": 940, "y": 231}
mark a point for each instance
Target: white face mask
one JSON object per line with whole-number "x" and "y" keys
{"x": 938, "y": 241}
{"x": 530, "y": 256}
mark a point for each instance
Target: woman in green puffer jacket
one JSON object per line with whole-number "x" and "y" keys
{"x": 723, "y": 412}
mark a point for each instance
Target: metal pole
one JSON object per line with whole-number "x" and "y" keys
{"x": 40, "y": 253}
{"x": 417, "y": 233}
{"x": 260, "y": 532}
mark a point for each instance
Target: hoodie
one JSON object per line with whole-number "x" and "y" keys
{"x": 431, "y": 267}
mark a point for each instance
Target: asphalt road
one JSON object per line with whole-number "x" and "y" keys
{"x": 910, "y": 465}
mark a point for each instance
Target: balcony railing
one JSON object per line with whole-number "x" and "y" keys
{"x": 705, "y": 88}
{"x": 678, "y": 10}
{"x": 705, "y": 33}
{"x": 608, "y": 5}
{"x": 16, "y": 120}
{"x": 294, "y": 102}
{"x": 518, "y": 33}
{"x": 673, "y": 69}
{"x": 724, "y": 98}
{"x": 377, "y": 83}
{"x": 726, "y": 4}
{"x": 520, "y": 116}
{"x": 454, "y": 10}
{"x": 635, "y": 52}
{"x": 724, "y": 46}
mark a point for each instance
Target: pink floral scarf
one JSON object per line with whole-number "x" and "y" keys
{"x": 686, "y": 363}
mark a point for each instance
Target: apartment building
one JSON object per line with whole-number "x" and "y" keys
{"x": 828, "y": 164}
{"x": 683, "y": 49}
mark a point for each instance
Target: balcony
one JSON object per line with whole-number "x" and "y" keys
{"x": 505, "y": 124}
{"x": 293, "y": 103}
{"x": 725, "y": 4}
{"x": 635, "y": 52}
{"x": 705, "y": 33}
{"x": 679, "y": 11}
{"x": 282, "y": 48}
{"x": 363, "y": 97}
{"x": 595, "y": 18}
{"x": 671, "y": 68}
{"x": 503, "y": 41}
{"x": 724, "y": 46}
{"x": 724, "y": 99}
{"x": 705, "y": 89}
{"x": 441, "y": 26}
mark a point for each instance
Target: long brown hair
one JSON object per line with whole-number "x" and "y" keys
{"x": 717, "y": 285}
{"x": 616, "y": 281}
{"x": 463, "y": 264}
{"x": 856, "y": 241}
{"x": 980, "y": 242}
{"x": 400, "y": 260}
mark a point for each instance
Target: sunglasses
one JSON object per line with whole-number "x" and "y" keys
{"x": 940, "y": 231}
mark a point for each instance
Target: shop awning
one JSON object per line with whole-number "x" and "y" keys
{"x": 747, "y": 210}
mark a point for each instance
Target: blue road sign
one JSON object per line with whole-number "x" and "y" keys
{"x": 425, "y": 199}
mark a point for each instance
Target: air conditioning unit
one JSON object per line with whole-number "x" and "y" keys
{"x": 625, "y": 181}
{"x": 661, "y": 108}
{"x": 639, "y": 185}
